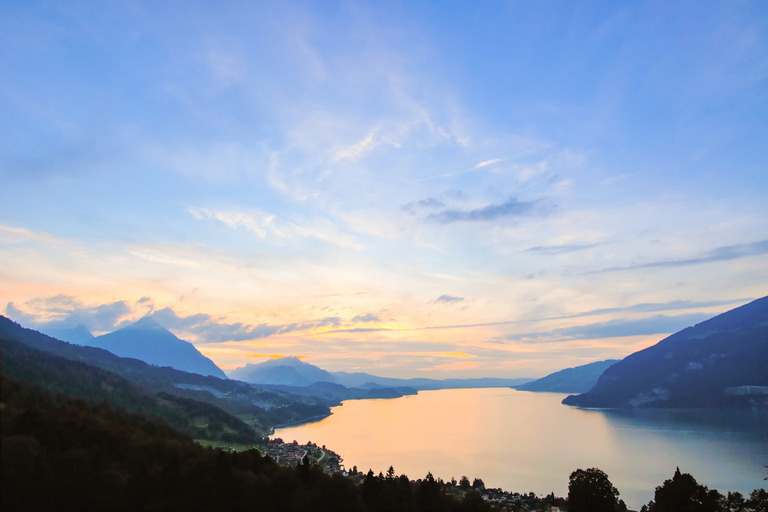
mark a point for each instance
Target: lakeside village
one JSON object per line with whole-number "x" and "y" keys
{"x": 293, "y": 454}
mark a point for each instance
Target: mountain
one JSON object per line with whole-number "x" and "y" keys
{"x": 720, "y": 362}
{"x": 571, "y": 380}
{"x": 80, "y": 335}
{"x": 150, "y": 342}
{"x": 286, "y": 371}
{"x": 71, "y": 378}
{"x": 27, "y": 356}
{"x": 366, "y": 380}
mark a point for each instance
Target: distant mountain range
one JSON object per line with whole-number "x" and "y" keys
{"x": 722, "y": 362}
{"x": 286, "y": 371}
{"x": 366, "y": 380}
{"x": 147, "y": 341}
{"x": 571, "y": 380}
{"x": 292, "y": 371}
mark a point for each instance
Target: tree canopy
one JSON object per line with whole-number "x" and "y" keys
{"x": 590, "y": 490}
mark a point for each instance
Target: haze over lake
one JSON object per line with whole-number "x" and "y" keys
{"x": 524, "y": 441}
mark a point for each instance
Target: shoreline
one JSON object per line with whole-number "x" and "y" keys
{"x": 313, "y": 419}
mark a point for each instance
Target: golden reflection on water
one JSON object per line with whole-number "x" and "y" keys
{"x": 519, "y": 441}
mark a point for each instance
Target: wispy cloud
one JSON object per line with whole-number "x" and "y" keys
{"x": 649, "y": 307}
{"x": 725, "y": 253}
{"x": 457, "y": 366}
{"x": 635, "y": 308}
{"x": 262, "y": 224}
{"x": 560, "y": 249}
{"x": 356, "y": 150}
{"x": 511, "y": 208}
{"x": 253, "y": 220}
{"x": 659, "y": 324}
{"x": 486, "y": 163}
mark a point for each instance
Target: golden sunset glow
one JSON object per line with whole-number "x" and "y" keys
{"x": 372, "y": 206}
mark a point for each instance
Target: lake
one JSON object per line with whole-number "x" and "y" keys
{"x": 529, "y": 442}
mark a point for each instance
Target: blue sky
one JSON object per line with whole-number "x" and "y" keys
{"x": 412, "y": 189}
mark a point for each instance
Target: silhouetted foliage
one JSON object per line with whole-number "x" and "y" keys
{"x": 682, "y": 493}
{"x": 590, "y": 490}
{"x": 59, "y": 453}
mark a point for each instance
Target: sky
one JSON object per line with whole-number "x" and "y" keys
{"x": 410, "y": 189}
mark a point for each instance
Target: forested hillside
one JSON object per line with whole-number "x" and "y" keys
{"x": 64, "y": 454}
{"x": 234, "y": 397}
{"x": 720, "y": 362}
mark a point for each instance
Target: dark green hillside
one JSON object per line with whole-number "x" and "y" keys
{"x": 64, "y": 454}
{"x": 721, "y": 362}
{"x": 275, "y": 408}
{"x": 76, "y": 379}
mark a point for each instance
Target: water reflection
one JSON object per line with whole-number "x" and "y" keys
{"x": 523, "y": 441}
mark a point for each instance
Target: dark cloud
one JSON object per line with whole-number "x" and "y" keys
{"x": 659, "y": 324}
{"x": 170, "y": 320}
{"x": 15, "y": 314}
{"x": 214, "y": 331}
{"x": 725, "y": 253}
{"x": 368, "y": 317}
{"x": 66, "y": 312}
{"x": 448, "y": 299}
{"x": 512, "y": 208}
{"x": 323, "y": 322}
{"x": 429, "y": 203}
{"x": 217, "y": 331}
{"x": 560, "y": 249}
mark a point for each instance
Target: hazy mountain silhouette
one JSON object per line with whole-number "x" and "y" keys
{"x": 150, "y": 342}
{"x": 368, "y": 381}
{"x": 720, "y": 362}
{"x": 571, "y": 380}
{"x": 80, "y": 334}
{"x": 287, "y": 371}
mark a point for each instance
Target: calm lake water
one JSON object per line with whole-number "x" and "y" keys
{"x": 523, "y": 441}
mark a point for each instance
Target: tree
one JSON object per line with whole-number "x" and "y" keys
{"x": 758, "y": 500}
{"x": 464, "y": 483}
{"x": 477, "y": 483}
{"x": 590, "y": 490}
{"x": 683, "y": 494}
